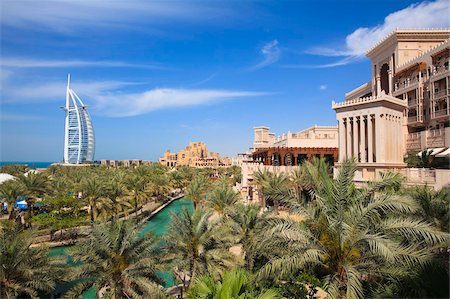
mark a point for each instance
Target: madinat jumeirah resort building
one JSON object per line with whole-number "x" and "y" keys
{"x": 283, "y": 153}
{"x": 79, "y": 142}
{"x": 402, "y": 109}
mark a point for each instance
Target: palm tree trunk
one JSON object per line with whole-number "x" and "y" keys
{"x": 92, "y": 214}
{"x": 135, "y": 206}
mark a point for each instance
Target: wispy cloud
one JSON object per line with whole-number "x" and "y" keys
{"x": 323, "y": 87}
{"x": 113, "y": 98}
{"x": 14, "y": 62}
{"x": 120, "y": 105}
{"x": 343, "y": 61}
{"x": 419, "y": 15}
{"x": 70, "y": 15}
{"x": 271, "y": 54}
{"x": 13, "y": 92}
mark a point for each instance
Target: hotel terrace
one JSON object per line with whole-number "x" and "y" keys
{"x": 404, "y": 108}
{"x": 283, "y": 153}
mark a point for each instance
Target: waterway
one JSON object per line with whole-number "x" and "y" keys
{"x": 158, "y": 225}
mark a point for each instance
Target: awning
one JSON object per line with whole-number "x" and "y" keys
{"x": 444, "y": 154}
{"x": 432, "y": 151}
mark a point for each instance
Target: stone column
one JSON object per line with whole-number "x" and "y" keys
{"x": 378, "y": 84}
{"x": 390, "y": 78}
{"x": 362, "y": 146}
{"x": 342, "y": 149}
{"x": 355, "y": 138}
{"x": 369, "y": 139}
{"x": 380, "y": 137}
{"x": 349, "y": 139}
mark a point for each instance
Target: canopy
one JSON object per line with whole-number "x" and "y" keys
{"x": 21, "y": 204}
{"x": 432, "y": 151}
{"x": 444, "y": 154}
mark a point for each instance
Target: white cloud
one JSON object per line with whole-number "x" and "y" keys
{"x": 44, "y": 63}
{"x": 112, "y": 98}
{"x": 70, "y": 15}
{"x": 120, "y": 105}
{"x": 343, "y": 61}
{"x": 13, "y": 92}
{"x": 271, "y": 54}
{"x": 419, "y": 15}
{"x": 323, "y": 87}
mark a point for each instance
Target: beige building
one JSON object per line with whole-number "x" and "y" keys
{"x": 405, "y": 105}
{"x": 315, "y": 136}
{"x": 124, "y": 163}
{"x": 285, "y": 152}
{"x": 196, "y": 154}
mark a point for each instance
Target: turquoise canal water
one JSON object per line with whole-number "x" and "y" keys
{"x": 158, "y": 225}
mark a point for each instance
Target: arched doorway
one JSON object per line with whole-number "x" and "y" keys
{"x": 288, "y": 159}
{"x": 276, "y": 159}
{"x": 384, "y": 78}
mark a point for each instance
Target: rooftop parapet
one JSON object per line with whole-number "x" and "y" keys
{"x": 359, "y": 101}
{"x": 409, "y": 31}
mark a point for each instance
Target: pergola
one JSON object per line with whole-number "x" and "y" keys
{"x": 290, "y": 156}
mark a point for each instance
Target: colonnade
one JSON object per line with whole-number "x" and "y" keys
{"x": 371, "y": 138}
{"x": 357, "y": 138}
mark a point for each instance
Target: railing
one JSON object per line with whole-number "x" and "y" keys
{"x": 412, "y": 119}
{"x": 419, "y": 175}
{"x": 365, "y": 100}
{"x": 440, "y": 93}
{"x": 441, "y": 112}
{"x": 439, "y": 70}
{"x": 405, "y": 83}
{"x": 413, "y": 136}
{"x": 412, "y": 102}
{"x": 435, "y": 133}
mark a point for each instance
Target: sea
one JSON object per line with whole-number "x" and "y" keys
{"x": 32, "y": 164}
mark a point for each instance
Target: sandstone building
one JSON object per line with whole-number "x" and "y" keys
{"x": 196, "y": 154}
{"x": 285, "y": 152}
{"x": 405, "y": 105}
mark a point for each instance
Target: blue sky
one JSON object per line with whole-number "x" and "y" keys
{"x": 157, "y": 75}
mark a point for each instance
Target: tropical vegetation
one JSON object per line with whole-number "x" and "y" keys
{"x": 307, "y": 234}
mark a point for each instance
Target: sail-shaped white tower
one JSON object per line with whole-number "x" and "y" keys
{"x": 79, "y": 142}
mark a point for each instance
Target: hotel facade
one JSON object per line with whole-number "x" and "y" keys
{"x": 284, "y": 153}
{"x": 403, "y": 108}
{"x": 79, "y": 140}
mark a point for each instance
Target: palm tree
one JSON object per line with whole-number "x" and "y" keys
{"x": 221, "y": 198}
{"x": 235, "y": 284}
{"x": 260, "y": 178}
{"x": 353, "y": 235}
{"x": 274, "y": 187}
{"x": 35, "y": 185}
{"x": 194, "y": 244}
{"x": 245, "y": 224}
{"x": 25, "y": 270}
{"x": 136, "y": 186}
{"x": 118, "y": 262}
{"x": 10, "y": 191}
{"x": 114, "y": 193}
{"x": 197, "y": 189}
{"x": 93, "y": 189}
{"x": 160, "y": 185}
{"x": 435, "y": 205}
